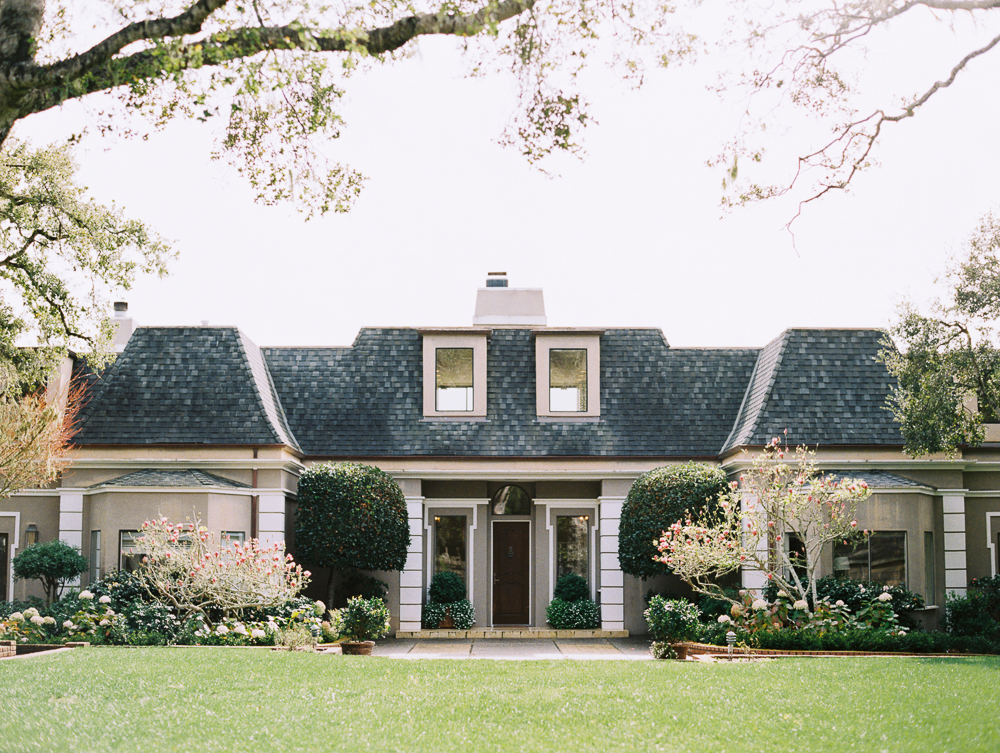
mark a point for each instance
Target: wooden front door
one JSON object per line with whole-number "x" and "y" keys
{"x": 511, "y": 572}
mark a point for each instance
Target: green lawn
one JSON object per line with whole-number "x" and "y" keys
{"x": 155, "y": 699}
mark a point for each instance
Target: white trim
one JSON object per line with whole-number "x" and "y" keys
{"x": 13, "y": 550}
{"x": 470, "y": 562}
{"x": 292, "y": 466}
{"x": 531, "y": 570}
{"x": 989, "y": 542}
{"x": 563, "y": 504}
{"x": 239, "y": 491}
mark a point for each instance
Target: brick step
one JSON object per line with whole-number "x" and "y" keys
{"x": 509, "y": 633}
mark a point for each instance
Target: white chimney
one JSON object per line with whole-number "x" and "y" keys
{"x": 499, "y": 305}
{"x": 125, "y": 326}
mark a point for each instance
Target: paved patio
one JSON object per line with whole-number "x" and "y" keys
{"x": 628, "y": 649}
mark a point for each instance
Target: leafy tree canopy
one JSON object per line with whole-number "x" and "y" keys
{"x": 61, "y": 256}
{"x": 657, "y": 500}
{"x": 946, "y": 362}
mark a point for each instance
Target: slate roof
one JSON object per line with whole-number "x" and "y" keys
{"x": 824, "y": 385}
{"x": 185, "y": 385}
{"x": 182, "y": 478}
{"x": 200, "y": 385}
{"x": 881, "y": 479}
{"x": 367, "y": 400}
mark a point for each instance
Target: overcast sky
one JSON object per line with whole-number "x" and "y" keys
{"x": 630, "y": 236}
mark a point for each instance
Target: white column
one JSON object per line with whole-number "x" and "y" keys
{"x": 71, "y": 522}
{"x": 751, "y": 578}
{"x": 411, "y": 580}
{"x": 956, "y": 576}
{"x": 612, "y": 578}
{"x": 271, "y": 519}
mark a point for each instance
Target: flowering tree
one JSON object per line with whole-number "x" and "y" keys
{"x": 185, "y": 568}
{"x": 774, "y": 499}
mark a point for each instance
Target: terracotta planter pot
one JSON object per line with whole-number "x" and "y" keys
{"x": 363, "y": 648}
{"x": 447, "y": 622}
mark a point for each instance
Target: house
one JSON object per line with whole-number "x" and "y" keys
{"x": 515, "y": 445}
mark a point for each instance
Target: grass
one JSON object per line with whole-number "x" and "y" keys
{"x": 156, "y": 699}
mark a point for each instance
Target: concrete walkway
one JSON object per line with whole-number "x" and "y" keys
{"x": 628, "y": 649}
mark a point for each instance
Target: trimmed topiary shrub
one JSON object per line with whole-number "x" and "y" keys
{"x": 582, "y": 614}
{"x": 351, "y": 517}
{"x": 977, "y": 614}
{"x": 446, "y": 587}
{"x": 571, "y": 587}
{"x": 54, "y": 563}
{"x": 658, "y": 499}
{"x": 362, "y": 620}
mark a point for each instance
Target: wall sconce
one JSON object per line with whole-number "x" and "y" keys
{"x": 31, "y": 534}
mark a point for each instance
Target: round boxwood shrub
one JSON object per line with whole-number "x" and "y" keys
{"x": 54, "y": 563}
{"x": 673, "y": 620}
{"x": 571, "y": 587}
{"x": 351, "y": 517}
{"x": 657, "y": 500}
{"x": 446, "y": 587}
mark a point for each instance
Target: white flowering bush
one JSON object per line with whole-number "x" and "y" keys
{"x": 774, "y": 498}
{"x": 186, "y": 569}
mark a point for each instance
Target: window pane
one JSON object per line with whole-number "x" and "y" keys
{"x": 95, "y": 556}
{"x": 453, "y": 379}
{"x": 929, "y": 568}
{"x": 511, "y": 500}
{"x": 888, "y": 557}
{"x": 797, "y": 555}
{"x": 572, "y": 550}
{"x": 449, "y": 545}
{"x": 235, "y": 537}
{"x": 568, "y": 380}
{"x": 129, "y": 548}
{"x": 850, "y": 561}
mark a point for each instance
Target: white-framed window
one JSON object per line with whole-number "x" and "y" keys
{"x": 235, "y": 537}
{"x": 130, "y": 550}
{"x": 95, "y": 556}
{"x": 568, "y": 373}
{"x": 454, "y": 373}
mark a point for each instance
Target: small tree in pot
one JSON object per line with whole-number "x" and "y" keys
{"x": 360, "y": 624}
{"x": 446, "y": 601}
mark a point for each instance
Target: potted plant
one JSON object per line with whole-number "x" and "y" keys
{"x": 446, "y": 605}
{"x": 360, "y": 624}
{"x": 672, "y": 622}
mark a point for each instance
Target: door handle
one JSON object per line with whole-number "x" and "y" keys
{"x": 511, "y": 552}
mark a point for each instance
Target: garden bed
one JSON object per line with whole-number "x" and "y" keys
{"x": 703, "y": 649}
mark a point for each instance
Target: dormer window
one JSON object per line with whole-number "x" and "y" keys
{"x": 567, "y": 373}
{"x": 454, "y": 387}
{"x": 455, "y": 373}
{"x": 568, "y": 380}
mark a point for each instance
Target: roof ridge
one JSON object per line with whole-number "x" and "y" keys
{"x": 740, "y": 428}
{"x": 243, "y": 341}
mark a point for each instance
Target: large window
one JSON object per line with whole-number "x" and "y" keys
{"x": 568, "y": 380}
{"x": 880, "y": 558}
{"x": 453, "y": 379}
{"x": 511, "y": 500}
{"x": 572, "y": 545}
{"x": 130, "y": 550}
{"x": 450, "y": 545}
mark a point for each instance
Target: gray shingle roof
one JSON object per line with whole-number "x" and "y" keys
{"x": 824, "y": 385}
{"x": 368, "y": 400}
{"x": 880, "y": 479}
{"x": 199, "y": 385}
{"x": 181, "y": 478}
{"x": 185, "y": 385}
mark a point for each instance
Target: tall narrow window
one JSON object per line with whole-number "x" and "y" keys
{"x": 95, "y": 556}
{"x": 568, "y": 380}
{"x": 450, "y": 545}
{"x": 3, "y": 567}
{"x": 572, "y": 549}
{"x": 929, "y": 568}
{"x": 454, "y": 379}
